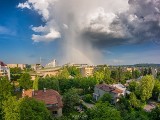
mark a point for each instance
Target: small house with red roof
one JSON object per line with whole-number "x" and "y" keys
{"x": 50, "y": 97}
{"x": 103, "y": 88}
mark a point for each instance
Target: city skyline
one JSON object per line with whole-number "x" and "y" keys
{"x": 114, "y": 33}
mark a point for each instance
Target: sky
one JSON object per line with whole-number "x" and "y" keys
{"x": 79, "y": 31}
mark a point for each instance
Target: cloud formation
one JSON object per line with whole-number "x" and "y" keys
{"x": 86, "y": 27}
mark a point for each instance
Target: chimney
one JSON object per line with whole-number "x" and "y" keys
{"x": 44, "y": 89}
{"x": 32, "y": 92}
{"x": 23, "y": 93}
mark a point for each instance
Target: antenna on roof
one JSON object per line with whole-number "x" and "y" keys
{"x": 40, "y": 60}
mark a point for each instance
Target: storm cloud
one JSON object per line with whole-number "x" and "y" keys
{"x": 85, "y": 27}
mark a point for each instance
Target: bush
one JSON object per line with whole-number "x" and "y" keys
{"x": 87, "y": 98}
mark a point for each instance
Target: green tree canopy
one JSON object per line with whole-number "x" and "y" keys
{"x": 103, "y": 111}
{"x": 146, "y": 87}
{"x": 64, "y": 74}
{"x": 25, "y": 109}
{"x": 156, "y": 90}
{"x": 70, "y": 99}
{"x": 25, "y": 81}
{"x": 106, "y": 98}
{"x": 35, "y": 83}
{"x": 6, "y": 89}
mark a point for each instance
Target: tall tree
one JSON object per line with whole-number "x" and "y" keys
{"x": 25, "y": 109}
{"x": 35, "y": 83}
{"x": 114, "y": 74}
{"x": 6, "y": 89}
{"x": 25, "y": 81}
{"x": 103, "y": 111}
{"x": 70, "y": 99}
{"x": 64, "y": 74}
{"x": 11, "y": 109}
{"x": 156, "y": 90}
{"x": 146, "y": 87}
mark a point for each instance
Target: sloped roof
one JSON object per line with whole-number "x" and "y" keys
{"x": 2, "y": 63}
{"x": 49, "y": 97}
{"x": 109, "y": 88}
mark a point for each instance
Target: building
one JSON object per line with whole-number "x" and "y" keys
{"x": 22, "y": 66}
{"x": 49, "y": 71}
{"x": 51, "y": 64}
{"x": 50, "y": 97}
{"x": 101, "y": 89}
{"x": 4, "y": 70}
{"x": 87, "y": 71}
{"x": 36, "y": 66}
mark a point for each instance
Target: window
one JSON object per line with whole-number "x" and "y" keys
{"x": 49, "y": 105}
{"x": 54, "y": 112}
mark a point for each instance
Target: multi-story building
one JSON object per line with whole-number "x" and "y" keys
{"x": 51, "y": 64}
{"x": 22, "y": 66}
{"x": 4, "y": 70}
{"x": 36, "y": 66}
{"x": 87, "y": 71}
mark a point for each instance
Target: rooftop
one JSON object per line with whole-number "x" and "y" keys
{"x": 109, "y": 88}
{"x": 49, "y": 97}
{"x": 2, "y": 63}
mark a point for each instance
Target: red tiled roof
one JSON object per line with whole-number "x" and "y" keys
{"x": 49, "y": 97}
{"x": 2, "y": 63}
{"x": 108, "y": 88}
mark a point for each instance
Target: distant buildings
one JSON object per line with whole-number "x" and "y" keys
{"x": 22, "y": 66}
{"x": 36, "y": 66}
{"x": 51, "y": 98}
{"x": 4, "y": 70}
{"x": 51, "y": 64}
{"x": 113, "y": 90}
{"x": 87, "y": 71}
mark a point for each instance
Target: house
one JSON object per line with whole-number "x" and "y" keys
{"x": 4, "y": 70}
{"x": 103, "y": 88}
{"x": 50, "y": 97}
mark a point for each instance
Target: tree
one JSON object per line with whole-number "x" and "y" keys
{"x": 155, "y": 113}
{"x": 11, "y": 109}
{"x": 106, "y": 98}
{"x": 146, "y": 87}
{"x": 99, "y": 76}
{"x": 134, "y": 102}
{"x": 156, "y": 90}
{"x": 73, "y": 71}
{"x": 36, "y": 110}
{"x": 128, "y": 75}
{"x": 35, "y": 83}
{"x": 121, "y": 76}
{"x": 15, "y": 70}
{"x": 87, "y": 98}
{"x": 103, "y": 111}
{"x": 64, "y": 74}
{"x": 48, "y": 83}
{"x": 25, "y": 81}
{"x": 137, "y": 74}
{"x": 132, "y": 86}
{"x": 70, "y": 99}
{"x": 25, "y": 109}
{"x": 114, "y": 74}
{"x": 136, "y": 115}
{"x": 6, "y": 89}
{"x": 107, "y": 75}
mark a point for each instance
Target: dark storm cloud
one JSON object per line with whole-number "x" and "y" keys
{"x": 139, "y": 24}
